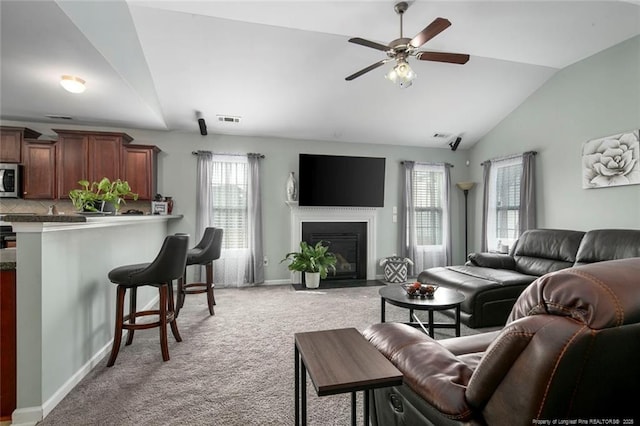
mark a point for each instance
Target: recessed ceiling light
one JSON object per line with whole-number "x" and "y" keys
{"x": 72, "y": 84}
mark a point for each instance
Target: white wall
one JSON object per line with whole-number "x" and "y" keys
{"x": 178, "y": 171}
{"x": 596, "y": 97}
{"x": 177, "y": 177}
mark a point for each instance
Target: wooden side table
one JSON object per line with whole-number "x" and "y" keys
{"x": 339, "y": 361}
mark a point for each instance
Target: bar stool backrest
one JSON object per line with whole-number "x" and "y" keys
{"x": 170, "y": 262}
{"x": 208, "y": 249}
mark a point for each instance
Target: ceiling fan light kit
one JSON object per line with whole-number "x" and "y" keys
{"x": 402, "y": 48}
{"x": 401, "y": 74}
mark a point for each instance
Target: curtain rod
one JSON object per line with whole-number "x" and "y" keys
{"x": 507, "y": 157}
{"x": 228, "y": 153}
{"x": 430, "y": 164}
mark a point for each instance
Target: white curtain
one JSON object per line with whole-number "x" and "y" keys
{"x": 510, "y": 200}
{"x": 425, "y": 215}
{"x": 408, "y": 238}
{"x": 204, "y": 200}
{"x": 232, "y": 201}
{"x": 254, "y": 226}
{"x": 446, "y": 216}
{"x": 486, "y": 179}
{"x": 528, "y": 192}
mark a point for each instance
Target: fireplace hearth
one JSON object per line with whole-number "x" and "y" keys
{"x": 347, "y": 240}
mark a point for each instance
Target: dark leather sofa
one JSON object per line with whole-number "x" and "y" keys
{"x": 492, "y": 282}
{"x": 569, "y": 351}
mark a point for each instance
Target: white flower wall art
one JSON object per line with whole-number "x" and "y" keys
{"x": 611, "y": 161}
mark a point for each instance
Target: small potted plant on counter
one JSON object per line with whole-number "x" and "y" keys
{"x": 104, "y": 196}
{"x": 315, "y": 261}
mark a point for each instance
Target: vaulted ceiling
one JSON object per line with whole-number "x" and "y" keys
{"x": 281, "y": 65}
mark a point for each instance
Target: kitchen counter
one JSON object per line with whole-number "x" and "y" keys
{"x": 7, "y": 259}
{"x": 65, "y": 308}
{"x": 75, "y": 218}
{"x": 46, "y": 223}
{"x": 43, "y": 218}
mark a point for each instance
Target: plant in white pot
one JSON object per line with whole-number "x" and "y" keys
{"x": 315, "y": 261}
{"x": 93, "y": 196}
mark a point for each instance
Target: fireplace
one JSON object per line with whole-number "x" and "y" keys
{"x": 324, "y": 215}
{"x": 347, "y": 240}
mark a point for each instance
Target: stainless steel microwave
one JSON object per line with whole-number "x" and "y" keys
{"x": 10, "y": 184}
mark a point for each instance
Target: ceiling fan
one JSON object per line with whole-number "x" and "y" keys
{"x": 400, "y": 49}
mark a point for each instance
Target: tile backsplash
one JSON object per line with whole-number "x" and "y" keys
{"x": 17, "y": 205}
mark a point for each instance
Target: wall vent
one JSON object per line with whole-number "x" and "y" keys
{"x": 228, "y": 118}
{"x": 59, "y": 117}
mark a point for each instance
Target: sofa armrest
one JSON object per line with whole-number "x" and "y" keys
{"x": 428, "y": 368}
{"x": 469, "y": 344}
{"x": 492, "y": 260}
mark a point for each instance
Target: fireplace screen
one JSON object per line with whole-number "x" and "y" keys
{"x": 346, "y": 240}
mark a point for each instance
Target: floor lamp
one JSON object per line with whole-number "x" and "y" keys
{"x": 465, "y": 186}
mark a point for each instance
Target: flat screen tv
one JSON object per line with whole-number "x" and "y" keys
{"x": 340, "y": 181}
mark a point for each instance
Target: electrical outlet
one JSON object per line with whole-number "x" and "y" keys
{"x": 265, "y": 261}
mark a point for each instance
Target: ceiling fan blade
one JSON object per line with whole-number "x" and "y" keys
{"x": 453, "y": 58}
{"x": 433, "y": 29}
{"x": 367, "y": 43}
{"x": 367, "y": 69}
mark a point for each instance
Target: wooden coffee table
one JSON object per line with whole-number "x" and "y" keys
{"x": 339, "y": 361}
{"x": 443, "y": 298}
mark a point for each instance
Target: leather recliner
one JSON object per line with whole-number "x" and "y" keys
{"x": 569, "y": 350}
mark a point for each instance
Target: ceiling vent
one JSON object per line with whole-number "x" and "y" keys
{"x": 228, "y": 118}
{"x": 59, "y": 117}
{"x": 442, "y": 135}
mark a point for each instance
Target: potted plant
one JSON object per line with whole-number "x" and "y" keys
{"x": 315, "y": 261}
{"x": 97, "y": 196}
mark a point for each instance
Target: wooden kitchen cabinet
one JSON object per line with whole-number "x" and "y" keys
{"x": 140, "y": 169}
{"x": 88, "y": 155}
{"x": 7, "y": 343}
{"x": 11, "y": 142}
{"x": 39, "y": 171}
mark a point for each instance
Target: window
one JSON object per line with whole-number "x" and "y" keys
{"x": 428, "y": 184}
{"x": 230, "y": 178}
{"x": 504, "y": 203}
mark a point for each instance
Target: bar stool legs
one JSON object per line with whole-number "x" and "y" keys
{"x": 203, "y": 254}
{"x": 165, "y": 313}
{"x": 163, "y": 323}
{"x": 195, "y": 288}
{"x": 117, "y": 335}
{"x": 133, "y": 297}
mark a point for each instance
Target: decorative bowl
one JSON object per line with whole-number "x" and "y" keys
{"x": 420, "y": 290}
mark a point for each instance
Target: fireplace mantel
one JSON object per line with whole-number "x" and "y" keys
{"x": 336, "y": 214}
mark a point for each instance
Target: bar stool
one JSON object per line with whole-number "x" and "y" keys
{"x": 207, "y": 250}
{"x": 168, "y": 265}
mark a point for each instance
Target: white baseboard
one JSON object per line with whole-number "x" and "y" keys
{"x": 29, "y": 416}
{"x": 59, "y": 395}
{"x": 278, "y": 282}
{"x": 26, "y": 416}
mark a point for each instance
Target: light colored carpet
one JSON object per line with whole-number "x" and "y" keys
{"x": 234, "y": 368}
